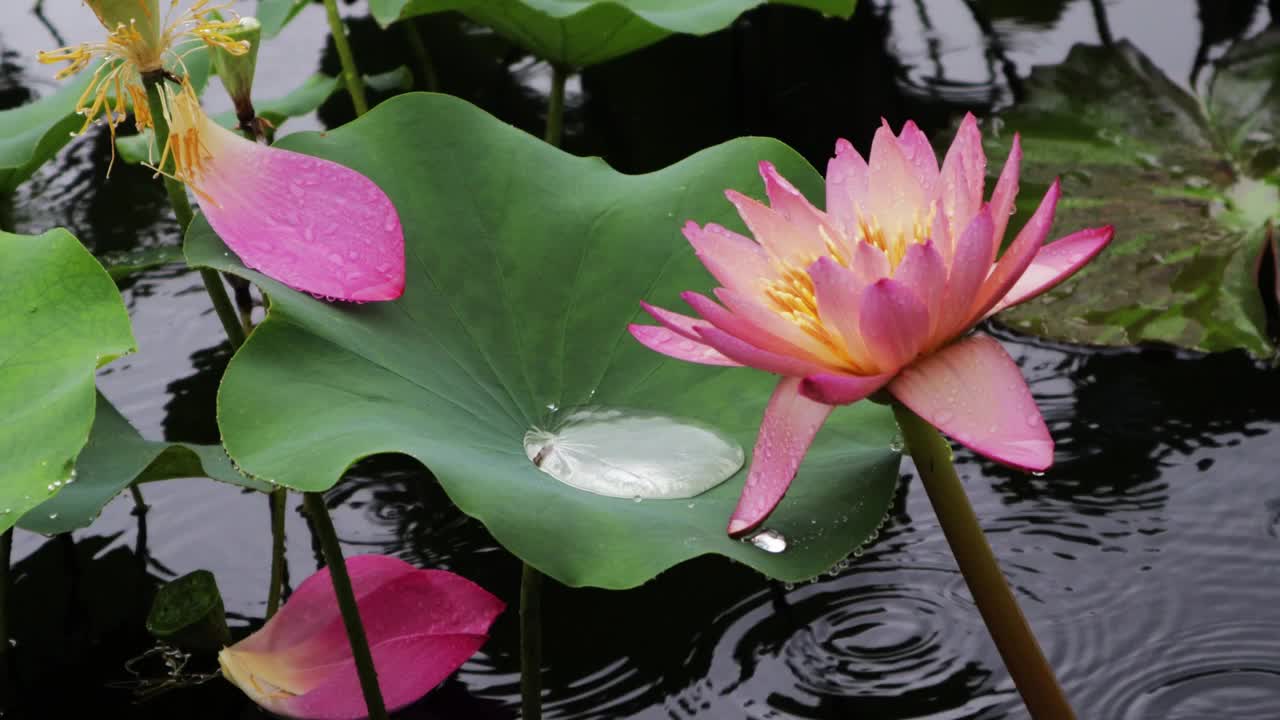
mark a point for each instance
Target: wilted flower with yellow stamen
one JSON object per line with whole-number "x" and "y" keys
{"x": 139, "y": 41}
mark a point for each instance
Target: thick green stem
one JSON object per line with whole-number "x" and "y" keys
{"x": 555, "y": 106}
{"x": 1004, "y": 619}
{"x": 139, "y": 504}
{"x": 6, "y": 547}
{"x": 279, "y": 504}
{"x": 350, "y": 73}
{"x": 427, "y": 77}
{"x": 323, "y": 524}
{"x": 182, "y": 211}
{"x": 530, "y": 643}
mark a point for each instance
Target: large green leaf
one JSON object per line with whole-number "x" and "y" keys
{"x": 117, "y": 456}
{"x": 275, "y": 14}
{"x": 61, "y": 317}
{"x": 525, "y": 265}
{"x": 31, "y": 134}
{"x": 579, "y": 33}
{"x": 1185, "y": 189}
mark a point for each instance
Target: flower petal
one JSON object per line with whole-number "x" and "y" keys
{"x": 963, "y": 178}
{"x": 752, "y": 327}
{"x": 735, "y": 261}
{"x": 840, "y": 389}
{"x": 1022, "y": 251}
{"x": 674, "y": 321}
{"x": 915, "y": 146}
{"x": 839, "y": 291}
{"x": 894, "y": 324}
{"x": 969, "y": 268}
{"x": 869, "y": 262}
{"x": 794, "y": 339}
{"x": 744, "y": 352}
{"x": 923, "y": 271}
{"x": 778, "y": 236}
{"x": 1056, "y": 262}
{"x": 796, "y": 208}
{"x": 678, "y": 346}
{"x": 974, "y": 392}
{"x": 312, "y": 224}
{"x": 1002, "y": 198}
{"x": 790, "y": 423}
{"x": 846, "y": 188}
{"x": 896, "y": 196}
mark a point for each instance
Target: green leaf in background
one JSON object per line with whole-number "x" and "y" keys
{"x": 275, "y": 14}
{"x": 578, "y": 33}
{"x": 120, "y": 264}
{"x": 115, "y": 457}
{"x": 301, "y": 100}
{"x": 1136, "y": 150}
{"x": 525, "y": 265}
{"x": 61, "y": 318}
{"x": 31, "y": 134}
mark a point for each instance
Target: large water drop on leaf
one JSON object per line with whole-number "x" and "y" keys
{"x": 633, "y": 454}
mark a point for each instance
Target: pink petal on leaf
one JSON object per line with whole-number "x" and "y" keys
{"x": 744, "y": 352}
{"x": 840, "y": 389}
{"x": 894, "y": 324}
{"x": 974, "y": 392}
{"x": 790, "y": 423}
{"x": 1056, "y": 262}
{"x": 674, "y": 321}
{"x": 1021, "y": 253}
{"x": 678, "y": 346}
{"x": 309, "y": 223}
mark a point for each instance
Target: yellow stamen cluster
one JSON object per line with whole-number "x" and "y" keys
{"x": 130, "y": 53}
{"x": 186, "y": 143}
{"x": 794, "y": 298}
{"x": 895, "y": 244}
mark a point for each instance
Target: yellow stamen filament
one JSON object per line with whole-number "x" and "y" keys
{"x": 794, "y": 298}
{"x": 129, "y": 54}
{"x": 186, "y": 143}
{"x": 895, "y": 245}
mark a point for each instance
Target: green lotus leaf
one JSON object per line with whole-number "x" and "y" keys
{"x": 61, "y": 318}
{"x": 1183, "y": 181}
{"x": 578, "y": 33}
{"x": 117, "y": 456}
{"x": 301, "y": 100}
{"x": 525, "y": 265}
{"x": 31, "y": 134}
{"x": 275, "y": 14}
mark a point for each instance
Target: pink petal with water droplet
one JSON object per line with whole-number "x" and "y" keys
{"x": 744, "y": 352}
{"x": 923, "y": 271}
{"x": 790, "y": 338}
{"x": 309, "y": 223}
{"x": 963, "y": 177}
{"x": 894, "y": 324}
{"x": 796, "y": 208}
{"x": 436, "y": 619}
{"x": 736, "y": 261}
{"x": 839, "y": 389}
{"x": 969, "y": 268}
{"x": 678, "y": 346}
{"x": 1002, "y": 198}
{"x": 897, "y": 198}
{"x": 790, "y": 423}
{"x": 780, "y": 237}
{"x": 974, "y": 392}
{"x": 741, "y": 326}
{"x": 846, "y": 187}
{"x": 1056, "y": 262}
{"x": 1021, "y": 253}
{"x": 915, "y": 146}
{"x": 839, "y": 291}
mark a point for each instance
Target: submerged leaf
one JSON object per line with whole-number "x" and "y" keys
{"x": 525, "y": 264}
{"x": 579, "y": 33}
{"x": 1182, "y": 187}
{"x": 61, "y": 318}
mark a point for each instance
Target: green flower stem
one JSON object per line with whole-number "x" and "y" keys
{"x": 6, "y": 547}
{"x": 138, "y": 502}
{"x": 350, "y": 74}
{"x": 323, "y": 525}
{"x": 182, "y": 210}
{"x": 427, "y": 77}
{"x": 1004, "y": 619}
{"x": 530, "y": 643}
{"x": 555, "y": 107}
{"x": 279, "y": 504}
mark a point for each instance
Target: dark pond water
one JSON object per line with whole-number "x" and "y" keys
{"x": 1146, "y": 559}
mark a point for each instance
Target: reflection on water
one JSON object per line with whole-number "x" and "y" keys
{"x": 1144, "y": 559}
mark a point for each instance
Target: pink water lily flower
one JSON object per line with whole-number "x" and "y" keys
{"x": 310, "y": 223}
{"x": 877, "y": 293}
{"x": 421, "y": 625}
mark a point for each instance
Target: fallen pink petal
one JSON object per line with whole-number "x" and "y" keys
{"x": 421, "y": 625}
{"x": 877, "y": 294}
{"x": 310, "y": 223}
